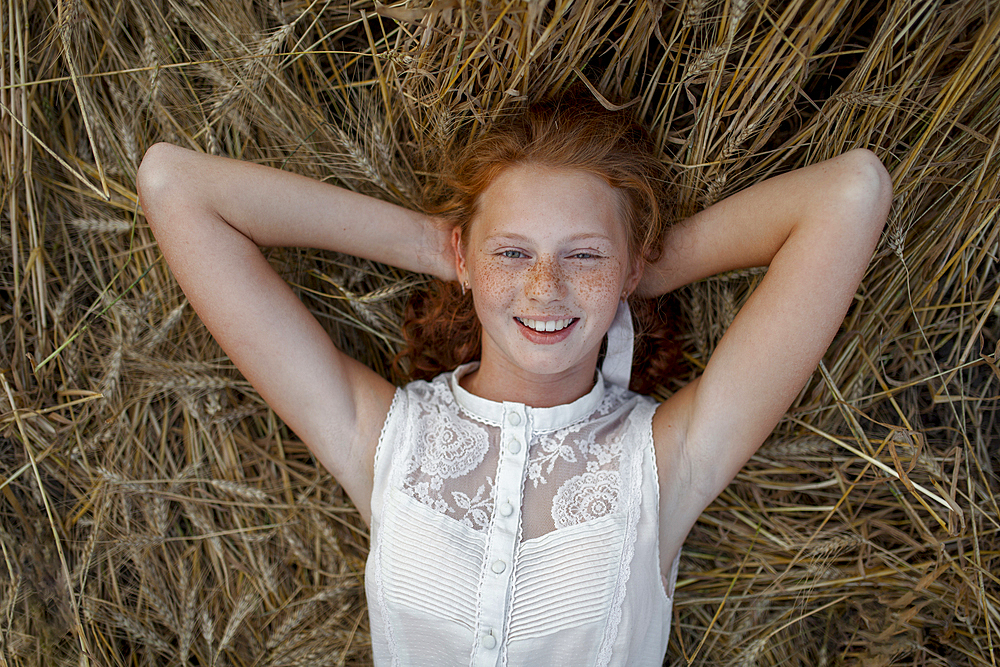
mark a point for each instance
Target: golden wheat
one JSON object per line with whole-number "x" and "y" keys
{"x": 197, "y": 529}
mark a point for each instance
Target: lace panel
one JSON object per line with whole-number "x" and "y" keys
{"x": 573, "y": 473}
{"x": 452, "y": 463}
{"x": 586, "y": 497}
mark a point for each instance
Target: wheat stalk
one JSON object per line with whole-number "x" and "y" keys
{"x": 845, "y": 564}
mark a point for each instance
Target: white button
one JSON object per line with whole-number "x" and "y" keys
{"x": 489, "y": 641}
{"x": 514, "y": 418}
{"x": 514, "y": 445}
{"x": 498, "y": 566}
{"x": 506, "y": 509}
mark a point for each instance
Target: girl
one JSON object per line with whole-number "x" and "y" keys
{"x": 525, "y": 507}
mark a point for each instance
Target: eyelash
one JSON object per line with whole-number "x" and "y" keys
{"x": 517, "y": 254}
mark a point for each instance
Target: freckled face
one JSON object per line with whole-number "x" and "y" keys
{"x": 547, "y": 259}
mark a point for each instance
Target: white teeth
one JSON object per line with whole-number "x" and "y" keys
{"x": 551, "y": 325}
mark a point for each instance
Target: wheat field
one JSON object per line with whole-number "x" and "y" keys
{"x": 154, "y": 511}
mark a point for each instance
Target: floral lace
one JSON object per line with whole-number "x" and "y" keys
{"x": 572, "y": 473}
{"x": 586, "y": 497}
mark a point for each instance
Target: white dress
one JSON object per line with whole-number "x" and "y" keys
{"x": 508, "y": 535}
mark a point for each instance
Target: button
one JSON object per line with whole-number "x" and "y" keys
{"x": 514, "y": 445}
{"x": 489, "y": 641}
{"x": 506, "y": 509}
{"x": 514, "y": 418}
{"x": 498, "y": 566}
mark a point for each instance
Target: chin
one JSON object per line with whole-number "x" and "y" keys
{"x": 542, "y": 366}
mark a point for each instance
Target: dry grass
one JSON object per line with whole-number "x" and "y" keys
{"x": 155, "y": 511}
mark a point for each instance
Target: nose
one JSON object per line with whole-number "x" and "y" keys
{"x": 546, "y": 281}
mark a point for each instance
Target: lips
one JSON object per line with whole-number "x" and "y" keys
{"x": 549, "y": 326}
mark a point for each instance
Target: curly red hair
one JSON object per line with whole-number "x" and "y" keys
{"x": 572, "y": 132}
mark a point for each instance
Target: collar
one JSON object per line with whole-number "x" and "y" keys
{"x": 617, "y": 366}
{"x": 541, "y": 419}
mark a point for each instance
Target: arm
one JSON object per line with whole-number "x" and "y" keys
{"x": 816, "y": 228}
{"x": 279, "y": 208}
{"x": 209, "y": 214}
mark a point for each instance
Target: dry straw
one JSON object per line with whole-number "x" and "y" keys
{"x": 154, "y": 511}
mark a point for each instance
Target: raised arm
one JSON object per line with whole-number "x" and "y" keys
{"x": 278, "y": 208}
{"x": 209, "y": 214}
{"x": 816, "y": 229}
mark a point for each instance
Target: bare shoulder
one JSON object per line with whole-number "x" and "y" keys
{"x": 206, "y": 219}
{"x": 682, "y": 497}
{"x": 815, "y": 228}
{"x": 345, "y": 443}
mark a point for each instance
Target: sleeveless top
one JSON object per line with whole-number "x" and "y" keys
{"x": 508, "y": 535}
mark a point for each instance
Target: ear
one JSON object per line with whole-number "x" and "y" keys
{"x": 634, "y": 276}
{"x": 459, "y": 252}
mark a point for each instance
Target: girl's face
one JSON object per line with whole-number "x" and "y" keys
{"x": 547, "y": 260}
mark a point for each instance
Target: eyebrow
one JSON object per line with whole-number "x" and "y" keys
{"x": 584, "y": 236}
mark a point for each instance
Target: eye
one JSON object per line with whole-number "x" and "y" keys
{"x": 584, "y": 255}
{"x": 512, "y": 254}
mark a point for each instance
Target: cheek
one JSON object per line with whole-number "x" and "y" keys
{"x": 495, "y": 283}
{"x": 603, "y": 284}
{"x": 491, "y": 281}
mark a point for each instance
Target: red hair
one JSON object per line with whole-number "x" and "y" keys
{"x": 572, "y": 132}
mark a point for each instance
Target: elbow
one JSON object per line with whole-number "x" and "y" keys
{"x": 152, "y": 179}
{"x": 156, "y": 180}
{"x": 154, "y": 169}
{"x": 866, "y": 189}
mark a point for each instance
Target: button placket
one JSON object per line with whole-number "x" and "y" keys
{"x": 503, "y": 534}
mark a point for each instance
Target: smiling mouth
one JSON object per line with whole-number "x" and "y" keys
{"x": 546, "y": 327}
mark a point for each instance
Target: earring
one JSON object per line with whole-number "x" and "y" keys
{"x": 465, "y": 286}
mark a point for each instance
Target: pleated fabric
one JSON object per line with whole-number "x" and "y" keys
{"x": 474, "y": 561}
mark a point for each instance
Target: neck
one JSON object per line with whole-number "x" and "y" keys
{"x": 496, "y": 381}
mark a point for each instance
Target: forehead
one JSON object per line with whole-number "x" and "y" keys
{"x": 545, "y": 203}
